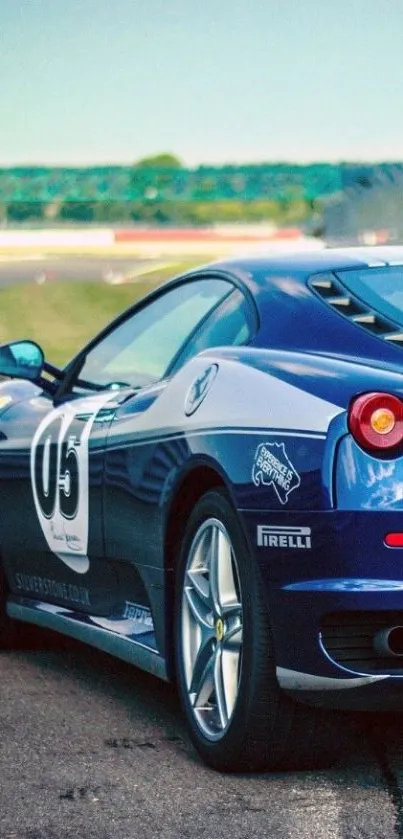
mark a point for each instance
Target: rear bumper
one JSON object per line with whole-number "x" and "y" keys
{"x": 330, "y": 584}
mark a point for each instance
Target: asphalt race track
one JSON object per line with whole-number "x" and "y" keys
{"x": 37, "y": 268}
{"x": 92, "y": 748}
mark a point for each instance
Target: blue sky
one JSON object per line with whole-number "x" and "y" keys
{"x": 92, "y": 81}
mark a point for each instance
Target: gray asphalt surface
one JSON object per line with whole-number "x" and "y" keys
{"x": 51, "y": 268}
{"x": 91, "y": 748}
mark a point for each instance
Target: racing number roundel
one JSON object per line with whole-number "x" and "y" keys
{"x": 59, "y": 477}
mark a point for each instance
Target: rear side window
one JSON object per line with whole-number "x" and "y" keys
{"x": 380, "y": 289}
{"x": 229, "y": 325}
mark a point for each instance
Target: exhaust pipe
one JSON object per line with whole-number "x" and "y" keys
{"x": 389, "y": 642}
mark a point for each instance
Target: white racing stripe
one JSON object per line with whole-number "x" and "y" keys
{"x": 240, "y": 397}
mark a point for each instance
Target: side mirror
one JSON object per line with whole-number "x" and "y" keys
{"x": 21, "y": 360}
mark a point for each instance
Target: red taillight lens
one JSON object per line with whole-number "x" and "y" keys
{"x": 376, "y": 421}
{"x": 394, "y": 540}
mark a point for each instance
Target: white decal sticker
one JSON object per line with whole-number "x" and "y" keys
{"x": 140, "y": 614}
{"x": 272, "y": 467}
{"x": 136, "y": 620}
{"x": 59, "y": 477}
{"x": 272, "y": 536}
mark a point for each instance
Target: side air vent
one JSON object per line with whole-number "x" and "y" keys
{"x": 346, "y": 306}
{"x": 329, "y": 289}
{"x": 325, "y": 287}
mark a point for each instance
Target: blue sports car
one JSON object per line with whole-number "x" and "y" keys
{"x": 212, "y": 489}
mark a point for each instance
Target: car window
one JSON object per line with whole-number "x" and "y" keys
{"x": 141, "y": 348}
{"x": 228, "y": 325}
{"x": 379, "y": 288}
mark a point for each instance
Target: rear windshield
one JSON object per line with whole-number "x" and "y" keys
{"x": 380, "y": 288}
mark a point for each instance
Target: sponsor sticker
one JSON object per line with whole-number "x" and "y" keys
{"x": 139, "y": 614}
{"x": 136, "y": 620}
{"x": 273, "y": 467}
{"x": 274, "y": 536}
{"x": 199, "y": 389}
{"x": 48, "y": 587}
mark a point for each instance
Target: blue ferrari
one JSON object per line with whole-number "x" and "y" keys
{"x": 212, "y": 490}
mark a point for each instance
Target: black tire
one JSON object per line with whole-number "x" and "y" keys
{"x": 266, "y": 730}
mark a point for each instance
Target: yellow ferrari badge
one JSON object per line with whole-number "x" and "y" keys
{"x": 219, "y": 630}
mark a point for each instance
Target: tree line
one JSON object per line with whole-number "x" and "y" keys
{"x": 159, "y": 212}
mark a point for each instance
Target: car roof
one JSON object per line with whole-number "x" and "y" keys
{"x": 292, "y": 316}
{"x": 304, "y": 263}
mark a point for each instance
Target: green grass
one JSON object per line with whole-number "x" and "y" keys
{"x": 62, "y": 317}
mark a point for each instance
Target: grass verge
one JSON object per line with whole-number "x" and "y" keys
{"x": 62, "y": 317}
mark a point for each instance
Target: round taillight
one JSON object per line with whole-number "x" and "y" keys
{"x": 376, "y": 421}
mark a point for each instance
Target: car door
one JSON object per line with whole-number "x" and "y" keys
{"x": 141, "y": 458}
{"x": 75, "y": 521}
{"x": 51, "y": 524}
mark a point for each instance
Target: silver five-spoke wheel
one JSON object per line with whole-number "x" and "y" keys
{"x": 212, "y": 628}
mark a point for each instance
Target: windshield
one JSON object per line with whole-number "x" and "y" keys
{"x": 380, "y": 288}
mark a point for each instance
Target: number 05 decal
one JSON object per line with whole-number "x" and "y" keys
{"x": 59, "y": 477}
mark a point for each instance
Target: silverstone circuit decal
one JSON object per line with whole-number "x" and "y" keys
{"x": 273, "y": 467}
{"x": 59, "y": 477}
{"x": 274, "y": 536}
{"x": 199, "y": 389}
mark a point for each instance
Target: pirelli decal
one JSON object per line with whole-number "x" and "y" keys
{"x": 293, "y": 538}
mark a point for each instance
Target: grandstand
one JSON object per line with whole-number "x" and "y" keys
{"x": 114, "y": 193}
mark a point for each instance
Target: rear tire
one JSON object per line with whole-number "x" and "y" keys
{"x": 238, "y": 718}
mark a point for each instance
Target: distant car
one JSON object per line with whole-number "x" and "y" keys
{"x": 213, "y": 490}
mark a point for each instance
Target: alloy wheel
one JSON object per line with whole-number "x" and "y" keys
{"x": 212, "y": 629}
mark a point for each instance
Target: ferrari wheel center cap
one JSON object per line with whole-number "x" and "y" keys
{"x": 219, "y": 629}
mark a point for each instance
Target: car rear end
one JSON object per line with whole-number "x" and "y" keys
{"x": 334, "y": 576}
